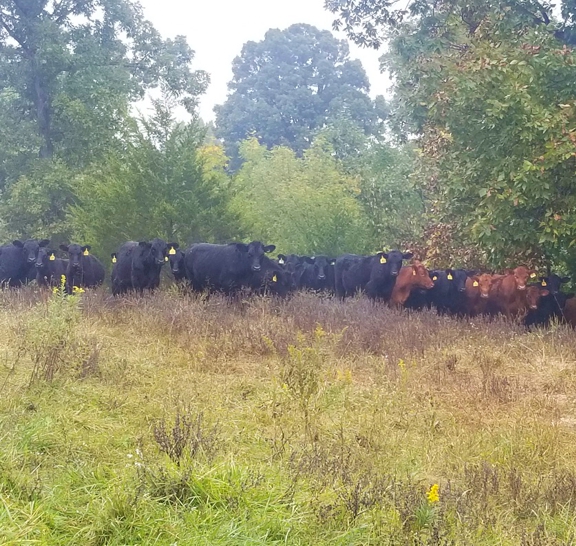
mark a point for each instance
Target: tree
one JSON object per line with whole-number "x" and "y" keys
{"x": 289, "y": 86}
{"x": 72, "y": 67}
{"x": 302, "y": 205}
{"x": 166, "y": 184}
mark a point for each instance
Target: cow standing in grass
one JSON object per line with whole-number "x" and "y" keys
{"x": 410, "y": 278}
{"x": 449, "y": 292}
{"x": 508, "y": 293}
{"x": 84, "y": 270}
{"x": 374, "y": 274}
{"x": 138, "y": 266}
{"x": 17, "y": 261}
{"x": 317, "y": 274}
{"x": 225, "y": 268}
{"x": 49, "y": 268}
{"x": 176, "y": 262}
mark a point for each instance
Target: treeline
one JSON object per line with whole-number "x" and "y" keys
{"x": 471, "y": 164}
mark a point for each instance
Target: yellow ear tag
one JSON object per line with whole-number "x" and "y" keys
{"x": 165, "y": 258}
{"x": 274, "y": 278}
{"x": 86, "y": 253}
{"x": 413, "y": 272}
{"x": 532, "y": 275}
{"x": 114, "y": 260}
{"x": 544, "y": 283}
{"x": 52, "y": 257}
{"x": 382, "y": 260}
{"x": 475, "y": 283}
{"x": 172, "y": 251}
{"x": 434, "y": 278}
{"x": 449, "y": 277}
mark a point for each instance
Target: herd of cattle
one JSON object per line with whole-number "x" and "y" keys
{"x": 516, "y": 293}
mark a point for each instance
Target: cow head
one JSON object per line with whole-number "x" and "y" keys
{"x": 393, "y": 260}
{"x": 522, "y": 275}
{"x": 76, "y": 254}
{"x": 155, "y": 251}
{"x": 458, "y": 277}
{"x": 534, "y": 293}
{"x": 44, "y": 256}
{"x": 421, "y": 277}
{"x": 175, "y": 258}
{"x": 321, "y": 266}
{"x": 553, "y": 283}
{"x": 30, "y": 248}
{"x": 254, "y": 252}
{"x": 482, "y": 284}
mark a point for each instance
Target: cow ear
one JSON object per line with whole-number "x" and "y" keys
{"x": 269, "y": 248}
{"x": 241, "y": 247}
{"x": 309, "y": 260}
{"x": 564, "y": 279}
{"x": 64, "y": 248}
{"x": 86, "y": 247}
{"x": 173, "y": 245}
{"x": 18, "y": 243}
{"x": 407, "y": 255}
{"x": 144, "y": 244}
{"x": 44, "y": 242}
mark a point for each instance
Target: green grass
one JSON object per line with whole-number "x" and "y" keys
{"x": 173, "y": 420}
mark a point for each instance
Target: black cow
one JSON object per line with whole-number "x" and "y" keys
{"x": 550, "y": 306}
{"x": 317, "y": 273}
{"x": 176, "y": 261}
{"x": 224, "y": 268}
{"x": 449, "y": 292}
{"x": 272, "y": 279}
{"x": 49, "y": 269}
{"x": 374, "y": 274}
{"x": 293, "y": 265}
{"x": 17, "y": 261}
{"x": 138, "y": 266}
{"x": 84, "y": 270}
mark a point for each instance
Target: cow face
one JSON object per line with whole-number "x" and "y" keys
{"x": 44, "y": 256}
{"x": 155, "y": 251}
{"x": 30, "y": 248}
{"x": 553, "y": 283}
{"x": 458, "y": 278}
{"x": 421, "y": 277}
{"x": 522, "y": 275}
{"x": 321, "y": 266}
{"x": 254, "y": 253}
{"x": 393, "y": 260}
{"x": 534, "y": 293}
{"x": 482, "y": 283}
{"x": 76, "y": 254}
{"x": 176, "y": 259}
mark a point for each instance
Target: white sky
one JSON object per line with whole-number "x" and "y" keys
{"x": 217, "y": 30}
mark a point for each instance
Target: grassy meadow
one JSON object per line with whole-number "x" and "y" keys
{"x": 172, "y": 419}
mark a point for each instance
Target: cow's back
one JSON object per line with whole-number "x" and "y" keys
{"x": 352, "y": 273}
{"x": 214, "y": 266}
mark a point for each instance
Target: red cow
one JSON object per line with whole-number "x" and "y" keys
{"x": 508, "y": 294}
{"x": 409, "y": 278}
{"x": 477, "y": 293}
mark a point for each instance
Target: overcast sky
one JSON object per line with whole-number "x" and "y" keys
{"x": 217, "y": 30}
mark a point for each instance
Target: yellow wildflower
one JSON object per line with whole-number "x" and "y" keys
{"x": 433, "y": 494}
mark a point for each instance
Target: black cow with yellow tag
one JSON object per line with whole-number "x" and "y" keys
{"x": 84, "y": 270}
{"x": 375, "y": 274}
{"x": 176, "y": 260}
{"x": 449, "y": 292}
{"x": 49, "y": 268}
{"x": 272, "y": 279}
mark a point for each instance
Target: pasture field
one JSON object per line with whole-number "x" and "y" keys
{"x": 170, "y": 420}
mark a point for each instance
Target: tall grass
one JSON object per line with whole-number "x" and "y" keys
{"x": 175, "y": 419}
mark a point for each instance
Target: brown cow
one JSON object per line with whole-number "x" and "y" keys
{"x": 570, "y": 312}
{"x": 410, "y": 277}
{"x": 477, "y": 293}
{"x": 508, "y": 294}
